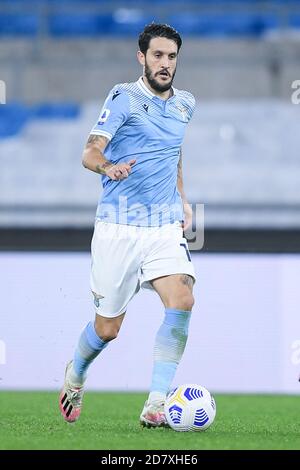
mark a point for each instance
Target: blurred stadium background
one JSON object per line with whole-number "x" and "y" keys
{"x": 59, "y": 59}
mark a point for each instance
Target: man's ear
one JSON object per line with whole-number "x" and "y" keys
{"x": 141, "y": 58}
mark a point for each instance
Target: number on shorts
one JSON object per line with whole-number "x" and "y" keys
{"x": 187, "y": 251}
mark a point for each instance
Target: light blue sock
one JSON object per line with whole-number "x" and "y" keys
{"x": 169, "y": 346}
{"x": 88, "y": 348}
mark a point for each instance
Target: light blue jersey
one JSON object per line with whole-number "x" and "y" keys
{"x": 141, "y": 126}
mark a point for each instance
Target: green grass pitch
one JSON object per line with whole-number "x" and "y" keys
{"x": 31, "y": 420}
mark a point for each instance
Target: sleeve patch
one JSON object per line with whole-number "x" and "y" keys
{"x": 103, "y": 117}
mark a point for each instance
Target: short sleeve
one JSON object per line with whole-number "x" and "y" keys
{"x": 191, "y": 105}
{"x": 114, "y": 114}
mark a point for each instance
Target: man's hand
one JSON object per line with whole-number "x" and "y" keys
{"x": 188, "y": 215}
{"x": 93, "y": 158}
{"x": 119, "y": 171}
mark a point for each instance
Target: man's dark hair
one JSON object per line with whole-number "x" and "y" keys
{"x": 155, "y": 30}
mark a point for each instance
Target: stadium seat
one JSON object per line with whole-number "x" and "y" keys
{"x": 16, "y": 24}
{"x": 127, "y": 21}
{"x": 206, "y": 3}
{"x": 56, "y": 111}
{"x": 294, "y": 21}
{"x": 222, "y": 25}
{"x": 13, "y": 117}
{"x": 76, "y": 24}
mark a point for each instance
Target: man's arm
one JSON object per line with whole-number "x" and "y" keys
{"x": 188, "y": 213}
{"x": 93, "y": 159}
{"x": 180, "y": 179}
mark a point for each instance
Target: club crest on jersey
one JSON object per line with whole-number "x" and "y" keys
{"x": 97, "y": 298}
{"x": 184, "y": 111}
{"x": 103, "y": 117}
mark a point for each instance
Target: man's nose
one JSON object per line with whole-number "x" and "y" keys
{"x": 165, "y": 64}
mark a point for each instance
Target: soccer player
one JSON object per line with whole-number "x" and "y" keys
{"x": 138, "y": 236}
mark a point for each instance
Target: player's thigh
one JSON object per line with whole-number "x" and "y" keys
{"x": 175, "y": 290}
{"x": 167, "y": 254}
{"x": 115, "y": 269}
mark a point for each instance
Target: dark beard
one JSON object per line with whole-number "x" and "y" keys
{"x": 154, "y": 84}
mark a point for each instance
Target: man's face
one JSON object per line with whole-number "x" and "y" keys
{"x": 160, "y": 63}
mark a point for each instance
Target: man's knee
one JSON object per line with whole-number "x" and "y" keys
{"x": 107, "y": 329}
{"x": 182, "y": 302}
{"x": 107, "y": 334}
{"x": 186, "y": 302}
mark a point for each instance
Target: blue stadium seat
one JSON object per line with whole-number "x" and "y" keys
{"x": 54, "y": 2}
{"x": 288, "y": 2}
{"x": 13, "y": 117}
{"x": 76, "y": 24}
{"x": 56, "y": 111}
{"x": 294, "y": 21}
{"x": 112, "y": 3}
{"x": 17, "y": 24}
{"x": 129, "y": 22}
{"x": 222, "y": 25}
{"x": 121, "y": 22}
{"x": 269, "y": 21}
{"x": 77, "y": 2}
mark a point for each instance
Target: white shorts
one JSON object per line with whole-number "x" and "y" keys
{"x": 125, "y": 258}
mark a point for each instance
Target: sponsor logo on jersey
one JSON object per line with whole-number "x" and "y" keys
{"x": 116, "y": 94}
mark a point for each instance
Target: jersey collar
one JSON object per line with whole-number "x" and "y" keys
{"x": 149, "y": 93}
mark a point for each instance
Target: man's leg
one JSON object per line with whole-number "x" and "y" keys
{"x": 176, "y": 294}
{"x": 114, "y": 281}
{"x": 93, "y": 339}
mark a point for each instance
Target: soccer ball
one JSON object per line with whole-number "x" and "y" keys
{"x": 190, "y": 407}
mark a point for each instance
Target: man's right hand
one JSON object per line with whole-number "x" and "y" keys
{"x": 93, "y": 159}
{"x": 119, "y": 171}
